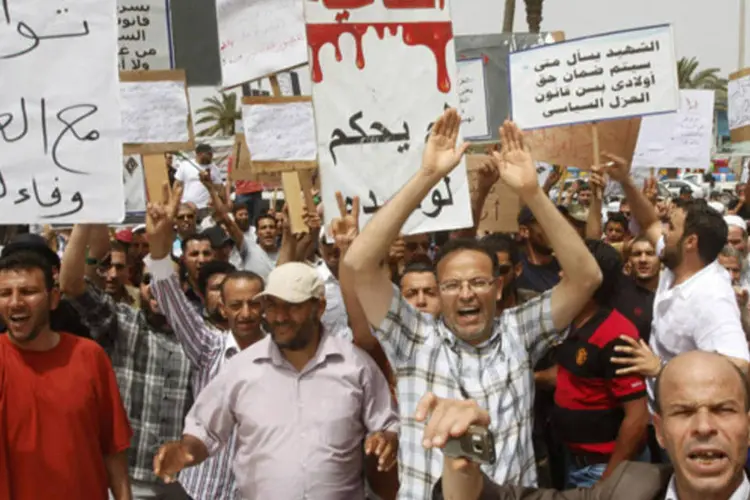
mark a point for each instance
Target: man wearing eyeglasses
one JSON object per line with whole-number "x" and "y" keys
{"x": 467, "y": 353}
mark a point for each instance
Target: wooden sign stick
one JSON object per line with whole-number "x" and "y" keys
{"x": 597, "y": 156}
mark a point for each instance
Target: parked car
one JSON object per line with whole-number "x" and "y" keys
{"x": 675, "y": 185}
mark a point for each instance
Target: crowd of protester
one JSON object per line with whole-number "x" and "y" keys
{"x": 212, "y": 354}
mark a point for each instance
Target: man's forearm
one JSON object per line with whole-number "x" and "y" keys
{"x": 370, "y": 247}
{"x": 574, "y": 258}
{"x": 117, "y": 472}
{"x": 630, "y": 439}
{"x": 642, "y": 209}
{"x": 73, "y": 265}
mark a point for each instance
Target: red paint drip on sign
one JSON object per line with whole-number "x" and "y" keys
{"x": 434, "y": 36}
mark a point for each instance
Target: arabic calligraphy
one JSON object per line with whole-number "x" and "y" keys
{"x": 55, "y": 198}
{"x": 27, "y": 32}
{"x": 472, "y": 95}
{"x": 339, "y": 138}
{"x": 143, "y": 40}
{"x": 437, "y": 199}
{"x": 586, "y": 80}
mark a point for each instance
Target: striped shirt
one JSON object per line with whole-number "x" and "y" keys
{"x": 497, "y": 374}
{"x": 208, "y": 350}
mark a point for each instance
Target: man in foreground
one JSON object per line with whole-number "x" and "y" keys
{"x": 702, "y": 419}
{"x": 64, "y": 433}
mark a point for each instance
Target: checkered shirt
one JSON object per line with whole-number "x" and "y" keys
{"x": 497, "y": 374}
{"x": 152, "y": 371}
{"x": 208, "y": 349}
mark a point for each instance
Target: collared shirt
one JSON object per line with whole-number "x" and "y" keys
{"x": 741, "y": 493}
{"x": 299, "y": 434}
{"x": 428, "y": 357}
{"x": 153, "y": 374}
{"x": 698, "y": 314}
{"x": 208, "y": 351}
{"x": 335, "y": 319}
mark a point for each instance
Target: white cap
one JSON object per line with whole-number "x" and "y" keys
{"x": 294, "y": 282}
{"x": 736, "y": 221}
{"x": 718, "y": 206}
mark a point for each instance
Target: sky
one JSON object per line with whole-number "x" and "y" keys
{"x": 708, "y": 30}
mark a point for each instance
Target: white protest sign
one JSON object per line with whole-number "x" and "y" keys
{"x": 60, "y": 146}
{"x": 280, "y": 131}
{"x": 135, "y": 184}
{"x": 258, "y": 38}
{"x": 154, "y": 112}
{"x": 472, "y": 95}
{"x": 145, "y": 37}
{"x": 738, "y": 92}
{"x": 381, "y": 75}
{"x": 678, "y": 140}
{"x": 615, "y": 75}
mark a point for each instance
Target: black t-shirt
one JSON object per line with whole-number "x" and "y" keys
{"x": 538, "y": 278}
{"x": 636, "y": 304}
{"x": 64, "y": 319}
{"x": 744, "y": 211}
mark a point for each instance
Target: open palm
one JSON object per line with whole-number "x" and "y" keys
{"x": 514, "y": 162}
{"x": 441, "y": 154}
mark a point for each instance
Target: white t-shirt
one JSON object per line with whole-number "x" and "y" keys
{"x": 188, "y": 174}
{"x": 699, "y": 314}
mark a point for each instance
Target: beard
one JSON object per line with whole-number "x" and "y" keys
{"x": 302, "y": 338}
{"x": 36, "y": 329}
{"x": 671, "y": 258}
{"x": 215, "y": 317}
{"x": 541, "y": 248}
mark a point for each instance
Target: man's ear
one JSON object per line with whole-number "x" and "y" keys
{"x": 54, "y": 298}
{"x": 659, "y": 429}
{"x": 321, "y": 307}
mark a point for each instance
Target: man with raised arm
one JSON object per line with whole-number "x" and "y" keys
{"x": 467, "y": 353}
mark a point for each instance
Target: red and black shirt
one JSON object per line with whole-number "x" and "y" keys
{"x": 588, "y": 398}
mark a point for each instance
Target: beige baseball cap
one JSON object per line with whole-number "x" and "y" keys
{"x": 295, "y": 283}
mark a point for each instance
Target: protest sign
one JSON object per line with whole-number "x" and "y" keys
{"x": 615, "y": 75}
{"x": 258, "y": 38}
{"x": 738, "y": 93}
{"x": 678, "y": 140}
{"x": 60, "y": 148}
{"x": 381, "y": 75}
{"x": 500, "y": 210}
{"x": 145, "y": 36}
{"x": 155, "y": 112}
{"x": 472, "y": 95}
{"x": 135, "y": 184}
{"x": 279, "y": 130}
{"x": 573, "y": 145}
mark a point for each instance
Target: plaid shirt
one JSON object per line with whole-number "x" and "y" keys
{"x": 152, "y": 372}
{"x": 497, "y": 374}
{"x": 208, "y": 350}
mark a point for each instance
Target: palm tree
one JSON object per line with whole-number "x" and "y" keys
{"x": 688, "y": 77}
{"x": 220, "y": 114}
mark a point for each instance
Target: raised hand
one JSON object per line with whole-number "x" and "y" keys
{"x": 514, "y": 161}
{"x": 345, "y": 227}
{"x": 441, "y": 155}
{"x": 487, "y": 175}
{"x": 617, "y": 168}
{"x": 160, "y": 221}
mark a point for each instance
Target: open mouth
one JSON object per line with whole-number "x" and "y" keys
{"x": 18, "y": 320}
{"x": 708, "y": 458}
{"x": 468, "y": 314}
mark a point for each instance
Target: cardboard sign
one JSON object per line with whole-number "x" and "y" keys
{"x": 382, "y": 73}
{"x": 615, "y": 75}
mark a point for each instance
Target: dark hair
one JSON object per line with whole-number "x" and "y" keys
{"x": 610, "y": 265}
{"x": 242, "y": 275}
{"x": 210, "y": 269}
{"x": 461, "y": 244}
{"x": 118, "y": 246}
{"x": 742, "y": 376}
{"x": 708, "y": 225}
{"x": 264, "y": 215}
{"x": 502, "y": 242}
{"x": 237, "y": 206}
{"x": 584, "y": 186}
{"x": 618, "y": 218}
{"x": 419, "y": 264}
{"x": 194, "y": 237}
{"x": 26, "y": 261}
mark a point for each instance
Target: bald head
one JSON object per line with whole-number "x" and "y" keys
{"x": 699, "y": 366}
